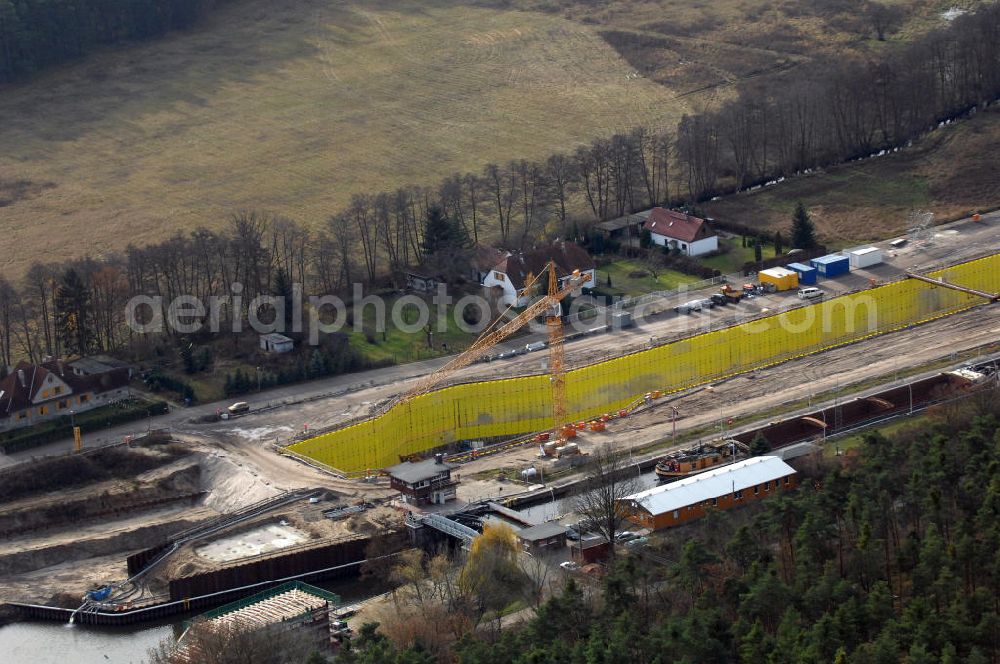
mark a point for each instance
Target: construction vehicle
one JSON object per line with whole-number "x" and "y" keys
{"x": 731, "y": 294}
{"x": 549, "y": 305}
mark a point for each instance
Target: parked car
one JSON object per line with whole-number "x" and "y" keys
{"x": 573, "y": 535}
{"x": 638, "y": 541}
{"x": 810, "y": 293}
{"x": 625, "y": 536}
{"x": 688, "y": 307}
{"x": 570, "y": 565}
{"x": 719, "y": 299}
{"x": 239, "y": 407}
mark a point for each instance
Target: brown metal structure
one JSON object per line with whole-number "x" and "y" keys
{"x": 492, "y": 335}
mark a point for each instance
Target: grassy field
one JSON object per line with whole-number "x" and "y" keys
{"x": 701, "y": 48}
{"x": 737, "y": 256}
{"x": 292, "y": 107}
{"x": 948, "y": 173}
{"x": 400, "y": 346}
{"x": 627, "y": 282}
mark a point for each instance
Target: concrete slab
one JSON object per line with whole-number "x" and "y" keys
{"x": 263, "y": 539}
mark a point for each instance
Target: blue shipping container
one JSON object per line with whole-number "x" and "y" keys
{"x": 807, "y": 273}
{"x": 832, "y": 265}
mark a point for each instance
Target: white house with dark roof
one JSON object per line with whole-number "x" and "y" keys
{"x": 690, "y": 235}
{"x": 514, "y": 270}
{"x": 31, "y": 393}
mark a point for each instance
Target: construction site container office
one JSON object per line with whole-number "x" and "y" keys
{"x": 864, "y": 257}
{"x": 831, "y": 265}
{"x": 780, "y": 278}
{"x": 807, "y": 273}
{"x": 721, "y": 488}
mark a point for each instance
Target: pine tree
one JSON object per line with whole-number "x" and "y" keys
{"x": 759, "y": 446}
{"x": 779, "y": 244}
{"x": 758, "y": 250}
{"x": 186, "y": 351}
{"x": 803, "y": 230}
{"x": 74, "y": 313}
{"x": 283, "y": 289}
{"x": 441, "y": 233}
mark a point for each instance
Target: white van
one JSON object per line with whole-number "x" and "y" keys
{"x": 810, "y": 293}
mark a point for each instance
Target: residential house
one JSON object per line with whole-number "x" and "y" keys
{"x": 510, "y": 275}
{"x": 482, "y": 261}
{"x": 424, "y": 482}
{"x": 690, "y": 235}
{"x": 724, "y": 487}
{"x": 31, "y": 394}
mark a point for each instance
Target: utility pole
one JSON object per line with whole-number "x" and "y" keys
{"x": 673, "y": 434}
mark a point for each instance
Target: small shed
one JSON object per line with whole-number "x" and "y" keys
{"x": 782, "y": 279}
{"x": 543, "y": 539}
{"x": 832, "y": 265}
{"x": 422, "y": 282}
{"x": 276, "y": 343}
{"x": 590, "y": 549}
{"x": 807, "y": 273}
{"x": 864, "y": 257}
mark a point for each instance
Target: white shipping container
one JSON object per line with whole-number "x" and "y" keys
{"x": 865, "y": 257}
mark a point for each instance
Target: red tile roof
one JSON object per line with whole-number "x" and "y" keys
{"x": 677, "y": 225}
{"x": 566, "y": 255}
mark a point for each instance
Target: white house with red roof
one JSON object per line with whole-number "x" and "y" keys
{"x": 514, "y": 270}
{"x": 690, "y": 235}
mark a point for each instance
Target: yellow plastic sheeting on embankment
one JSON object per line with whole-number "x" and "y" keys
{"x": 518, "y": 405}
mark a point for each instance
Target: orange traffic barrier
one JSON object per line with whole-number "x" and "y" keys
{"x": 597, "y": 425}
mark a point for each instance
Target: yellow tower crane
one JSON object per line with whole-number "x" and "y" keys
{"x": 549, "y": 304}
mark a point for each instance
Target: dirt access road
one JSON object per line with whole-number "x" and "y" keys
{"x": 327, "y": 402}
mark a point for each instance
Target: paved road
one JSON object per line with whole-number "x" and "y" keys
{"x": 328, "y": 401}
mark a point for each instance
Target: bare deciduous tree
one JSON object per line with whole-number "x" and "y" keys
{"x": 610, "y": 478}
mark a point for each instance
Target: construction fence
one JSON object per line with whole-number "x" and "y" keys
{"x": 513, "y": 406}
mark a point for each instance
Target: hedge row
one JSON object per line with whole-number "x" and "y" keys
{"x": 89, "y": 421}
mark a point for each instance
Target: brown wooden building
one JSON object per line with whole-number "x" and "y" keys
{"x": 543, "y": 539}
{"x": 424, "y": 482}
{"x": 724, "y": 487}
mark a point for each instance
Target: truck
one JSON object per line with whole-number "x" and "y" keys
{"x": 731, "y": 294}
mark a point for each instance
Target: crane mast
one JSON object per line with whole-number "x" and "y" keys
{"x": 549, "y": 305}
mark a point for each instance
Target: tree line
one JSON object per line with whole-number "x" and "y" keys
{"x": 822, "y": 114}
{"x": 35, "y": 34}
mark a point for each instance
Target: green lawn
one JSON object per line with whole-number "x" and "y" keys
{"x": 734, "y": 259}
{"x": 623, "y": 282}
{"x": 399, "y": 346}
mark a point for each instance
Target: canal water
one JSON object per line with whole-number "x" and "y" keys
{"x": 56, "y": 643}
{"x": 561, "y": 506}
{"x": 59, "y": 643}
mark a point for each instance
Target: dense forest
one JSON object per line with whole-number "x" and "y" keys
{"x": 37, "y": 33}
{"x": 886, "y": 556}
